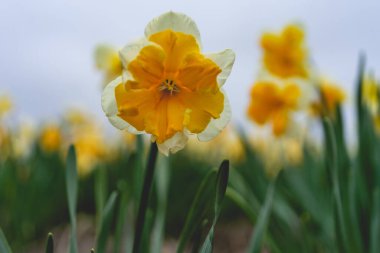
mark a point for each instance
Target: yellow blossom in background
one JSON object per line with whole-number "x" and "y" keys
{"x": 107, "y": 60}
{"x": 227, "y": 145}
{"x": 76, "y": 118}
{"x": 5, "y": 143}
{"x": 89, "y": 141}
{"x": 277, "y": 154}
{"x": 90, "y": 148}
{"x": 5, "y": 105}
{"x": 273, "y": 103}
{"x": 371, "y": 99}
{"x": 23, "y": 140}
{"x": 331, "y": 96}
{"x": 169, "y": 88}
{"x": 370, "y": 94}
{"x": 284, "y": 54}
{"x": 51, "y": 138}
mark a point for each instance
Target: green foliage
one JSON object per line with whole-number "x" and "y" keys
{"x": 72, "y": 191}
{"x": 330, "y": 202}
{"x": 205, "y": 211}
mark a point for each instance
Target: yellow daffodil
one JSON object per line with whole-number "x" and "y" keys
{"x": 331, "y": 96}
{"x": 108, "y": 60}
{"x": 169, "y": 89}
{"x": 371, "y": 99}
{"x": 5, "y": 105}
{"x": 285, "y": 54}
{"x": 371, "y": 93}
{"x": 90, "y": 148}
{"x": 86, "y": 135}
{"x": 272, "y": 102}
{"x": 51, "y": 138}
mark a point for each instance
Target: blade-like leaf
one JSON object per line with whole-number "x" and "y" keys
{"x": 72, "y": 191}
{"x": 100, "y": 193}
{"x": 205, "y": 209}
{"x": 375, "y": 223}
{"x": 50, "y": 244}
{"x": 106, "y": 223}
{"x": 4, "y": 246}
{"x": 263, "y": 219}
{"x": 332, "y": 162}
{"x": 221, "y": 186}
{"x": 121, "y": 216}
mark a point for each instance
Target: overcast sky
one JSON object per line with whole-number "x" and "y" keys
{"x": 46, "y": 53}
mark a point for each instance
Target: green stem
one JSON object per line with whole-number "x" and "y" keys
{"x": 144, "y": 200}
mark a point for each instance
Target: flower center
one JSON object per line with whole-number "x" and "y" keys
{"x": 168, "y": 86}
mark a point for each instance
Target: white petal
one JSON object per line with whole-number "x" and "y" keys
{"x": 217, "y": 125}
{"x": 131, "y": 50}
{"x": 174, "y": 144}
{"x": 177, "y": 22}
{"x": 225, "y": 60}
{"x": 110, "y": 108}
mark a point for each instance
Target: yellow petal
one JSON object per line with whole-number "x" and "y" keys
{"x": 176, "y": 46}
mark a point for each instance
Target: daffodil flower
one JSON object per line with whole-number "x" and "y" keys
{"x": 331, "y": 96}
{"x": 107, "y": 60}
{"x": 169, "y": 88}
{"x": 371, "y": 91}
{"x": 5, "y": 105}
{"x": 285, "y": 55}
{"x": 273, "y": 102}
{"x": 51, "y": 138}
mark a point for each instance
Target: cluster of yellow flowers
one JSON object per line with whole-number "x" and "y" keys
{"x": 54, "y": 138}
{"x": 286, "y": 87}
{"x": 281, "y": 88}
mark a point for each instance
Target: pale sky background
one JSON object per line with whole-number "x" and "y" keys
{"x": 46, "y": 52}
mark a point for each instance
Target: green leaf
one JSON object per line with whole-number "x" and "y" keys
{"x": 221, "y": 186}
{"x": 331, "y": 157}
{"x": 4, "y": 246}
{"x": 50, "y": 244}
{"x": 100, "y": 193}
{"x": 106, "y": 224}
{"x": 263, "y": 220}
{"x": 121, "y": 216}
{"x": 375, "y": 223}
{"x": 205, "y": 209}
{"x": 242, "y": 203}
{"x": 72, "y": 191}
{"x": 162, "y": 184}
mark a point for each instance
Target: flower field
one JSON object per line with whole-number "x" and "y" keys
{"x": 177, "y": 175}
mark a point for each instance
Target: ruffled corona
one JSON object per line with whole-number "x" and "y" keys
{"x": 169, "y": 89}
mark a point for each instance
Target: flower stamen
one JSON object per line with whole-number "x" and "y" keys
{"x": 169, "y": 86}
